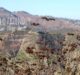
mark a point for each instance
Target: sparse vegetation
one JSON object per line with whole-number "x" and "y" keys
{"x": 41, "y": 46}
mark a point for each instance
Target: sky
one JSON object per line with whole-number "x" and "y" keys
{"x": 56, "y": 8}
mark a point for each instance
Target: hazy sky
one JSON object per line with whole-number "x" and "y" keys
{"x": 57, "y": 8}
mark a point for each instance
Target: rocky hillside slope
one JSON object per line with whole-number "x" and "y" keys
{"x": 40, "y": 53}
{"x": 38, "y": 45}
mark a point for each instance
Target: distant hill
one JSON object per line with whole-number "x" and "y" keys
{"x": 20, "y": 20}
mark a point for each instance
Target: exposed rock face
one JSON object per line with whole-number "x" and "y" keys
{"x": 7, "y": 18}
{"x": 9, "y": 21}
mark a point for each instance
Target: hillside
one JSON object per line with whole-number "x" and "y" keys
{"x": 38, "y": 45}
{"x": 20, "y": 20}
